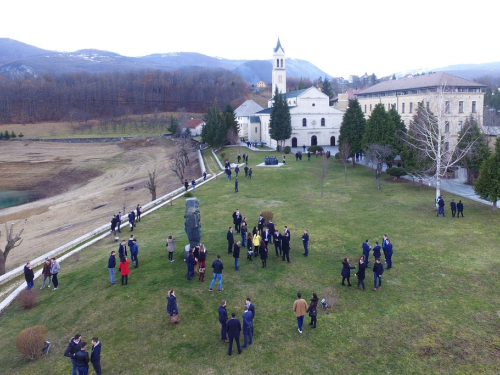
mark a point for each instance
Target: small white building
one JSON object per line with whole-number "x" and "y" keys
{"x": 247, "y": 121}
{"x": 194, "y": 125}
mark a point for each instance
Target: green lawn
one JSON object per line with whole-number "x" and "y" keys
{"x": 437, "y": 311}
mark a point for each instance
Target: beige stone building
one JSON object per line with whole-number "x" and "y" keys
{"x": 451, "y": 97}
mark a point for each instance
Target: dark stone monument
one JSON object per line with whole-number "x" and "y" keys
{"x": 192, "y": 223}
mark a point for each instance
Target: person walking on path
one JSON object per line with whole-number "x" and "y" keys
{"x": 193, "y": 184}
{"x": 190, "y": 264}
{"x": 233, "y": 333}
{"x": 313, "y": 310}
{"x": 223, "y": 321}
{"x": 453, "y": 207}
{"x": 305, "y": 242}
{"x": 388, "y": 253}
{"x": 346, "y": 271}
{"x": 247, "y": 318}
{"x": 46, "y": 273}
{"x": 299, "y": 309}
{"x": 82, "y": 360}
{"x": 460, "y": 208}
{"x": 95, "y": 355}
{"x": 73, "y": 347}
{"x": 111, "y": 267}
{"x": 361, "y": 272}
{"x": 217, "y": 266}
{"x": 131, "y": 220}
{"x": 378, "y": 270}
{"x": 204, "y": 175}
{"x": 186, "y": 184}
{"x": 202, "y": 263}
{"x": 138, "y": 209}
{"x": 124, "y": 270}
{"x": 172, "y": 308}
{"x": 171, "y": 248}
{"x": 29, "y": 276}
{"x": 236, "y": 255}
{"x": 54, "y": 270}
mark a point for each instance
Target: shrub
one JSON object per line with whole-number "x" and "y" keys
{"x": 26, "y": 299}
{"x": 331, "y": 297}
{"x": 21, "y": 135}
{"x": 396, "y": 172}
{"x": 222, "y": 154}
{"x": 287, "y": 150}
{"x": 315, "y": 148}
{"x": 31, "y": 341}
{"x": 337, "y": 156}
{"x": 267, "y": 215}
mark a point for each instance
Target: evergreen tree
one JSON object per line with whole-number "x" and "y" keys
{"x": 1, "y": 136}
{"x": 353, "y": 127}
{"x": 280, "y": 123}
{"x": 400, "y": 128}
{"x": 214, "y": 132}
{"x": 479, "y": 152}
{"x": 487, "y": 185}
{"x": 173, "y": 125}
{"x": 6, "y": 135}
{"x": 379, "y": 129}
{"x": 327, "y": 88}
{"x": 231, "y": 123}
{"x": 12, "y": 134}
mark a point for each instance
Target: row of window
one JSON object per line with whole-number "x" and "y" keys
{"x": 304, "y": 122}
{"x": 421, "y": 91}
{"x": 427, "y": 105}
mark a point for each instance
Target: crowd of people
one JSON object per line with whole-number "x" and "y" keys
{"x": 77, "y": 352}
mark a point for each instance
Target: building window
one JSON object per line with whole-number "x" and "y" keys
{"x": 304, "y": 122}
{"x": 314, "y": 104}
{"x": 365, "y": 108}
{"x": 282, "y": 63}
{"x": 277, "y": 63}
{"x": 447, "y": 146}
{"x": 322, "y": 120}
{"x": 460, "y": 107}
{"x": 402, "y": 106}
{"x": 370, "y": 106}
{"x": 411, "y": 107}
{"x": 447, "y": 107}
{"x": 427, "y": 104}
{"x": 460, "y": 123}
{"x": 388, "y": 107}
{"x": 473, "y": 107}
{"x": 446, "y": 126}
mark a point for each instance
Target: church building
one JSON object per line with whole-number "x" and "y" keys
{"x": 314, "y": 122}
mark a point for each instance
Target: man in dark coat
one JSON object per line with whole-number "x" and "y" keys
{"x": 111, "y": 267}
{"x": 305, "y": 242}
{"x": 237, "y": 218}
{"x": 260, "y": 223}
{"x": 95, "y": 356}
{"x": 440, "y": 206}
{"x": 388, "y": 253}
{"x": 236, "y": 171}
{"x": 285, "y": 244}
{"x": 236, "y": 186}
{"x": 230, "y": 240}
{"x": 134, "y": 251}
{"x": 74, "y": 346}
{"x": 251, "y": 308}
{"x": 277, "y": 242}
{"x": 247, "y": 318}
{"x": 29, "y": 276}
{"x": 460, "y": 208}
{"x": 236, "y": 255}
{"x": 272, "y": 229}
{"x": 122, "y": 250}
{"x": 233, "y": 333}
{"x": 131, "y": 220}
{"x": 246, "y": 171}
{"x": 453, "y": 207}
{"x": 223, "y": 321}
{"x": 82, "y": 360}
{"x": 266, "y": 237}
{"x": 366, "y": 250}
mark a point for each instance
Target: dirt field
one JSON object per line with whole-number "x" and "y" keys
{"x": 83, "y": 185}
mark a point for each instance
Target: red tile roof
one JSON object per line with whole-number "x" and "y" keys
{"x": 193, "y": 123}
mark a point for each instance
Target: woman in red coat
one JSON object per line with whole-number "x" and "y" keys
{"x": 124, "y": 270}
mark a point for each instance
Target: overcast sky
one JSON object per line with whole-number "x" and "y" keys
{"x": 339, "y": 37}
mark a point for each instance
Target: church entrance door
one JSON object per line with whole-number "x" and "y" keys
{"x": 332, "y": 141}
{"x": 314, "y": 141}
{"x": 294, "y": 142}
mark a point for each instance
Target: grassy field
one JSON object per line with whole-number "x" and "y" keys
{"x": 436, "y": 313}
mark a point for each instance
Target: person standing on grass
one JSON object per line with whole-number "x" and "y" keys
{"x": 246, "y": 171}
{"x": 114, "y": 222}
{"x": 73, "y": 347}
{"x": 134, "y": 251}
{"x": 250, "y": 251}
{"x": 260, "y": 223}
{"x": 263, "y": 253}
{"x": 346, "y": 271}
{"x": 285, "y": 244}
{"x": 236, "y": 255}
{"x": 131, "y": 220}
{"x": 299, "y": 309}
{"x": 284, "y": 160}
{"x": 130, "y": 243}
{"x": 256, "y": 242}
{"x": 217, "y": 267}
{"x": 95, "y": 356}
{"x": 54, "y": 270}
{"x": 230, "y": 240}
{"x": 460, "y": 208}
{"x": 29, "y": 276}
{"x": 223, "y": 321}
{"x": 384, "y": 238}
{"x": 361, "y": 272}
{"x": 247, "y": 318}
{"x": 111, "y": 267}
{"x": 250, "y": 173}
{"x": 233, "y": 333}
{"x": 440, "y": 206}
{"x": 313, "y": 310}
{"x": 186, "y": 184}
{"x": 122, "y": 250}
{"x": 453, "y": 207}
{"x": 376, "y": 251}
{"x": 243, "y": 231}
{"x": 138, "y": 209}
{"x": 190, "y": 264}
{"x": 305, "y": 241}
{"x": 82, "y": 360}
{"x": 236, "y": 185}
{"x": 171, "y": 248}
{"x": 236, "y": 170}
{"x": 124, "y": 270}
{"x": 388, "y": 256}
{"x": 202, "y": 263}
{"x": 366, "y": 250}
{"x": 277, "y": 242}
{"x": 239, "y": 158}
{"x": 172, "y": 308}
{"x": 119, "y": 221}
{"x": 237, "y": 219}
{"x": 378, "y": 270}
{"x": 46, "y": 273}
{"x": 267, "y": 237}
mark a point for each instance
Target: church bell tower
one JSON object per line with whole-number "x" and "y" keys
{"x": 279, "y": 71}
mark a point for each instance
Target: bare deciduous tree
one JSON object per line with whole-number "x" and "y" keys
{"x": 12, "y": 242}
{"x": 378, "y": 155}
{"x": 151, "y": 184}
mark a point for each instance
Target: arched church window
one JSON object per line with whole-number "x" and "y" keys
{"x": 277, "y": 63}
{"x": 304, "y": 122}
{"x": 322, "y": 120}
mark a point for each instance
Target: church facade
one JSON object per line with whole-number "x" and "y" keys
{"x": 314, "y": 121}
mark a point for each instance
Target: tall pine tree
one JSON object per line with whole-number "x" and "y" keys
{"x": 400, "y": 128}
{"x": 487, "y": 185}
{"x": 379, "y": 129}
{"x": 479, "y": 152}
{"x": 353, "y": 127}
{"x": 280, "y": 123}
{"x": 214, "y": 132}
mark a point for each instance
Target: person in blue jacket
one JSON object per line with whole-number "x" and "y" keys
{"x": 378, "y": 270}
{"x": 172, "y": 308}
{"x": 388, "y": 253}
{"x": 376, "y": 251}
{"x": 361, "y": 272}
{"x": 366, "y": 250}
